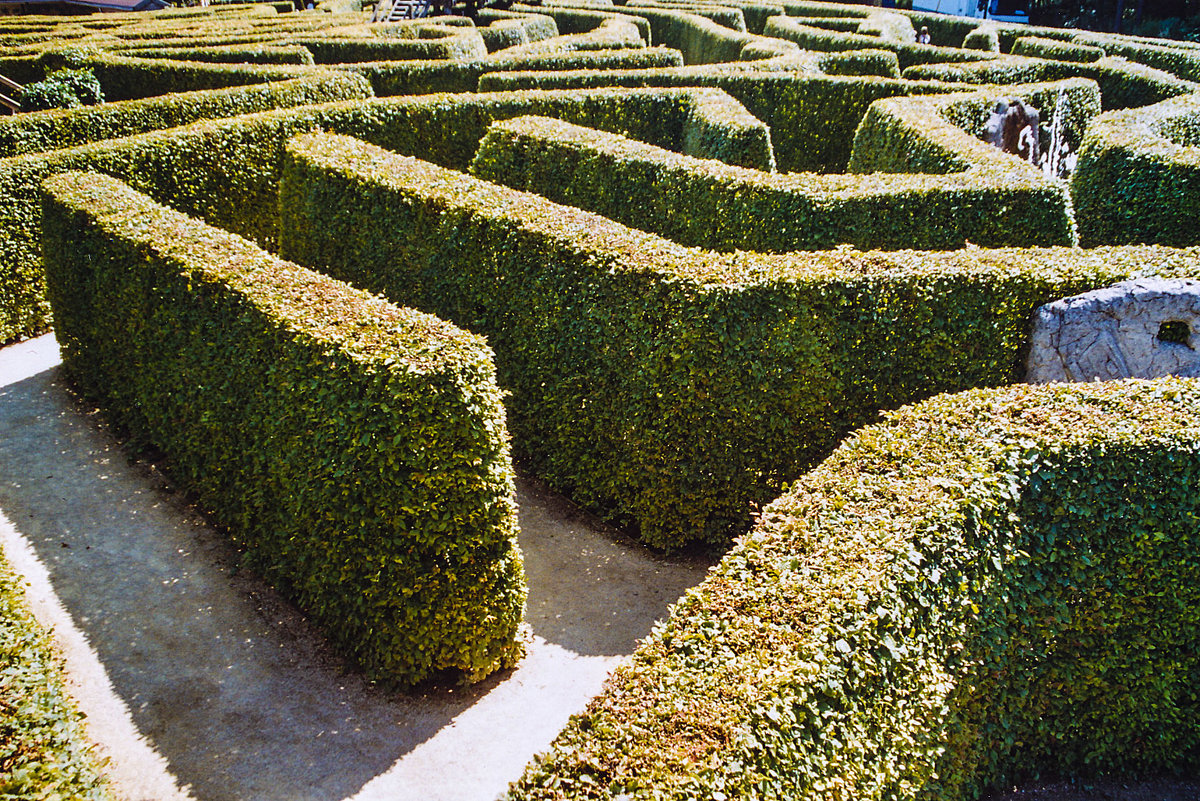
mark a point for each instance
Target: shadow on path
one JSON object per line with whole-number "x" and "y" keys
{"x": 231, "y": 685}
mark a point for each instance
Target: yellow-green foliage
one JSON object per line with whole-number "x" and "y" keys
{"x": 355, "y": 450}
{"x": 52, "y": 130}
{"x": 985, "y": 586}
{"x": 1122, "y": 84}
{"x": 703, "y": 41}
{"x": 44, "y": 751}
{"x": 975, "y": 193}
{"x": 421, "y": 77}
{"x": 909, "y": 52}
{"x": 737, "y": 370}
{"x": 425, "y": 41}
{"x": 985, "y": 38}
{"x": 227, "y": 172}
{"x": 1138, "y": 176}
{"x": 811, "y": 117}
{"x": 1183, "y": 62}
{"x": 1055, "y": 50}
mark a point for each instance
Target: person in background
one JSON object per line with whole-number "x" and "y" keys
{"x": 923, "y": 36}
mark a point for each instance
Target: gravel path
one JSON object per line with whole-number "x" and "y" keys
{"x": 199, "y": 682}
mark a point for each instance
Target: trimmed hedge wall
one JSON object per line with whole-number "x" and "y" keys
{"x": 356, "y": 451}
{"x": 127, "y": 78}
{"x": 427, "y": 77}
{"x": 44, "y": 750}
{"x": 985, "y": 587}
{"x": 51, "y": 130}
{"x": 812, "y": 118}
{"x": 722, "y": 375}
{"x": 434, "y": 42}
{"x": 226, "y": 171}
{"x": 1138, "y": 176}
{"x": 1122, "y": 84}
{"x": 1181, "y": 62}
{"x": 240, "y": 53}
{"x": 703, "y": 41}
{"x": 993, "y": 200}
{"x": 1055, "y": 50}
{"x": 909, "y": 53}
{"x": 608, "y": 35}
{"x": 904, "y": 135}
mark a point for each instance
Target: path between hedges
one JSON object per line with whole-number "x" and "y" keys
{"x": 198, "y": 682}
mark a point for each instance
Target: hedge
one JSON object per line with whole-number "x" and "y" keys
{"x": 985, "y": 588}
{"x": 882, "y": 63}
{"x": 610, "y": 34}
{"x": 909, "y": 54}
{"x": 812, "y": 118}
{"x": 392, "y": 78}
{"x": 226, "y": 171}
{"x": 571, "y": 20}
{"x": 433, "y": 42}
{"x": 51, "y": 130}
{"x": 942, "y": 135}
{"x": 128, "y": 78}
{"x": 991, "y": 200}
{"x": 703, "y": 41}
{"x": 356, "y": 451}
{"x": 1181, "y": 62}
{"x": 1055, "y": 50}
{"x": 755, "y": 13}
{"x": 985, "y": 38}
{"x": 1138, "y": 176}
{"x": 44, "y": 749}
{"x": 1122, "y": 84}
{"x": 723, "y": 375}
{"x": 725, "y": 16}
{"x": 240, "y": 53}
{"x": 536, "y": 25}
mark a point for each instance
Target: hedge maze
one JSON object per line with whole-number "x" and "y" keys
{"x": 707, "y": 243}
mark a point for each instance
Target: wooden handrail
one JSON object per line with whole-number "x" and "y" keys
{"x": 12, "y": 105}
{"x": 13, "y": 85}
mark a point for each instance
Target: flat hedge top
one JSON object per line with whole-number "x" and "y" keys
{"x": 364, "y": 327}
{"x": 621, "y": 248}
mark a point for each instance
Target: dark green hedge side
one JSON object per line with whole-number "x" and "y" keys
{"x": 355, "y": 450}
{"x": 1055, "y": 50}
{"x": 995, "y": 202}
{"x": 722, "y": 375}
{"x": 984, "y": 588}
{"x": 1138, "y": 176}
{"x": 1122, "y": 83}
{"x": 812, "y": 118}
{"x": 44, "y": 752}
{"x": 227, "y": 171}
{"x": 51, "y": 130}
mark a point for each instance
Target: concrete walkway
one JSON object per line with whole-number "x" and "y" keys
{"x": 199, "y": 682}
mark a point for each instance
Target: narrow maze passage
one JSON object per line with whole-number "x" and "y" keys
{"x": 198, "y": 681}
